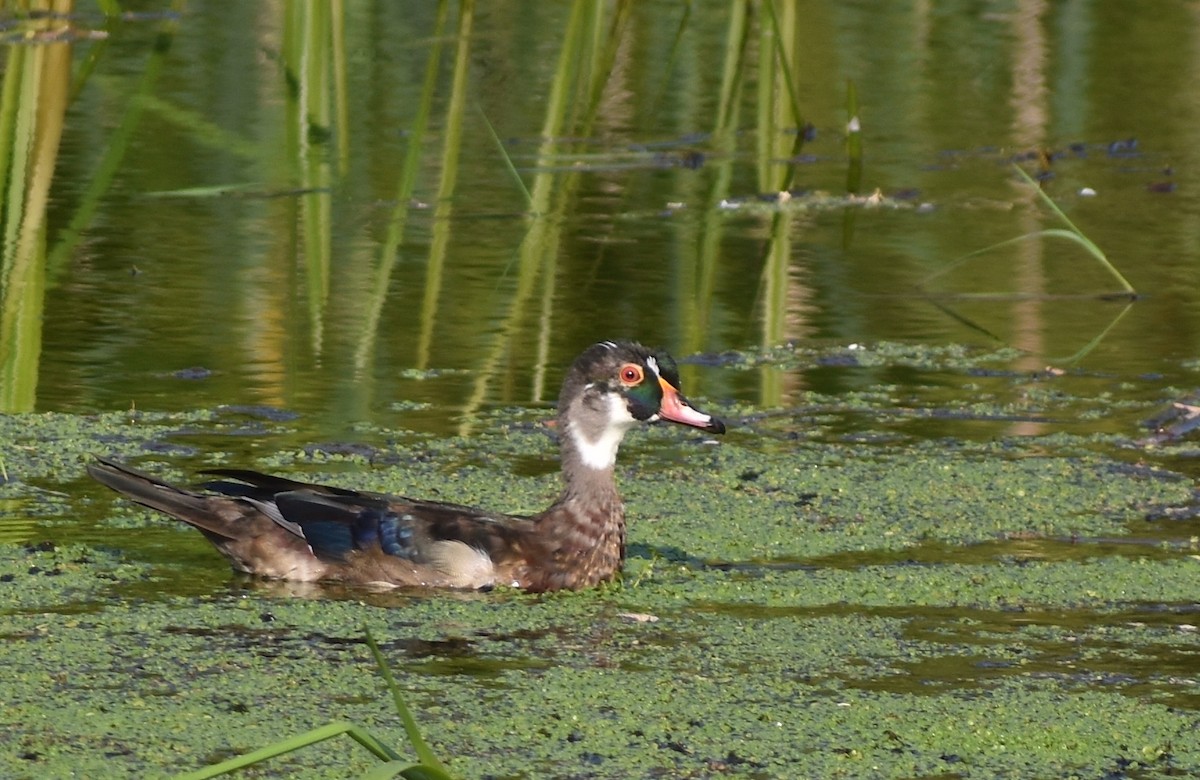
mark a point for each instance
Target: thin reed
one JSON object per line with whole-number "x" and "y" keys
{"x": 426, "y": 767}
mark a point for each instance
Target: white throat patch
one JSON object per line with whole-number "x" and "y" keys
{"x": 601, "y": 453}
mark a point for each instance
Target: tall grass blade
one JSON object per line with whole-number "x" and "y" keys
{"x": 965, "y": 321}
{"x": 779, "y": 113}
{"x": 766, "y": 126}
{"x": 696, "y": 284}
{"x": 1086, "y": 242}
{"x": 427, "y": 768}
{"x": 1072, "y": 233}
{"x": 96, "y": 52}
{"x": 203, "y": 130}
{"x": 854, "y": 144}
{"x": 785, "y": 41}
{"x": 632, "y": 183}
{"x": 535, "y": 253}
{"x": 507, "y": 159}
{"x": 672, "y": 54}
{"x": 774, "y": 323}
{"x": 444, "y": 204}
{"x": 408, "y": 177}
{"x": 307, "y": 56}
{"x": 341, "y": 101}
{"x": 32, "y": 117}
{"x": 605, "y": 42}
{"x": 391, "y": 769}
{"x": 732, "y": 68}
{"x": 1087, "y": 348}
{"x": 604, "y": 51}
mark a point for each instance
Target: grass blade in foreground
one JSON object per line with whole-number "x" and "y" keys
{"x": 282, "y": 747}
{"x": 427, "y": 768}
{"x": 428, "y": 759}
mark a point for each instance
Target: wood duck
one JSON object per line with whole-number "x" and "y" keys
{"x": 282, "y": 529}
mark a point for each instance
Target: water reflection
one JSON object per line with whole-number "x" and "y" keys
{"x": 359, "y": 191}
{"x": 34, "y": 100}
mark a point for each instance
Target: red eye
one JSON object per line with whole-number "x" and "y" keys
{"x": 631, "y": 374}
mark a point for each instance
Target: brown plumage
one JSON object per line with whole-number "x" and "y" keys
{"x": 280, "y": 528}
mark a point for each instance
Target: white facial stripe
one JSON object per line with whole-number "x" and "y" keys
{"x": 653, "y": 365}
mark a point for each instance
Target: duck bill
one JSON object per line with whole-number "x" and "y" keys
{"x": 676, "y": 408}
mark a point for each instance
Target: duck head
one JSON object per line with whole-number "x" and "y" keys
{"x": 615, "y": 385}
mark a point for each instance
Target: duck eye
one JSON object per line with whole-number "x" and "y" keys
{"x": 631, "y": 374}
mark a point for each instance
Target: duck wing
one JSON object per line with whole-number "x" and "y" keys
{"x": 286, "y": 529}
{"x": 377, "y": 537}
{"x": 250, "y": 533}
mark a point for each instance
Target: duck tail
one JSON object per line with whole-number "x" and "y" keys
{"x": 250, "y": 533}
{"x": 149, "y": 491}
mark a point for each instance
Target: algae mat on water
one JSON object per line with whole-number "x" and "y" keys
{"x": 568, "y": 686}
{"x": 835, "y": 590}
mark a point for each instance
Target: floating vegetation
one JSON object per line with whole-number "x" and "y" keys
{"x": 427, "y": 767}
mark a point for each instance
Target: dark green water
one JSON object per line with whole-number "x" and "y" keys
{"x": 949, "y": 98}
{"x": 916, "y": 553}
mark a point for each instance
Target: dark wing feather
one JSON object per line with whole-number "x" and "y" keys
{"x": 336, "y": 521}
{"x": 258, "y": 485}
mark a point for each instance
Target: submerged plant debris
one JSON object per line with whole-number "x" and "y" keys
{"x": 895, "y": 580}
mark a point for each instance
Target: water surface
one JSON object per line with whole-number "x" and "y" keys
{"x": 252, "y": 235}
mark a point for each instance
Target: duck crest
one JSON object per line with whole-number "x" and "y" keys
{"x": 281, "y": 528}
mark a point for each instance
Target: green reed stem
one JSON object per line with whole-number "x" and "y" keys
{"x": 672, "y": 54}
{"x": 507, "y": 159}
{"x": 731, "y": 73}
{"x": 536, "y": 252}
{"x": 1075, "y": 234}
{"x": 697, "y": 286}
{"x": 787, "y": 181}
{"x": 328, "y": 731}
{"x": 426, "y": 755}
{"x": 1072, "y": 233}
{"x": 118, "y": 144}
{"x": 444, "y": 200}
{"x": 854, "y": 144}
{"x": 408, "y": 177}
